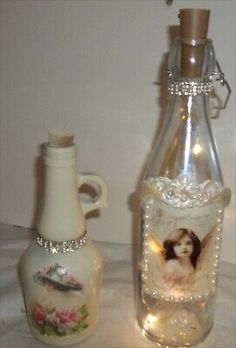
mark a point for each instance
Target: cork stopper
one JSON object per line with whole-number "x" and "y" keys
{"x": 193, "y": 32}
{"x": 60, "y": 138}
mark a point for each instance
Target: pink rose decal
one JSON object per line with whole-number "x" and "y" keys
{"x": 67, "y": 319}
{"x": 50, "y": 321}
{"x": 38, "y": 314}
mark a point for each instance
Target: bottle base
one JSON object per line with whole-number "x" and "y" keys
{"x": 172, "y": 341}
{"x": 175, "y": 326}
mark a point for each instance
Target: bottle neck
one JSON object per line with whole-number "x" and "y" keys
{"x": 183, "y": 108}
{"x": 61, "y": 215}
{"x": 185, "y": 113}
{"x": 186, "y": 145}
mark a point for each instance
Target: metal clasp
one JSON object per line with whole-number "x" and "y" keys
{"x": 220, "y": 76}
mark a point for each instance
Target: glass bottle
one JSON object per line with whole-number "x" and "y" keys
{"x": 61, "y": 272}
{"x": 182, "y": 201}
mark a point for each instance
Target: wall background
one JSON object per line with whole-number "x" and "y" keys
{"x": 90, "y": 66}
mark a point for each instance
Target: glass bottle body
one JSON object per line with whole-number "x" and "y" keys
{"x": 180, "y": 226}
{"x": 186, "y": 146}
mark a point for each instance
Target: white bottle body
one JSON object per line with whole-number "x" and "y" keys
{"x": 54, "y": 315}
{"x": 61, "y": 273}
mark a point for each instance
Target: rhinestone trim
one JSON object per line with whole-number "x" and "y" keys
{"x": 67, "y": 246}
{"x": 192, "y": 88}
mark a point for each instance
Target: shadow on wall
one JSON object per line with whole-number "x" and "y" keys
{"x": 162, "y": 103}
{"x": 39, "y": 177}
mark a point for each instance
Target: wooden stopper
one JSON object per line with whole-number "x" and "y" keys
{"x": 60, "y": 138}
{"x": 193, "y": 32}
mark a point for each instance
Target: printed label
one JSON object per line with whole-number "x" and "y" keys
{"x": 59, "y": 309}
{"x": 181, "y": 238}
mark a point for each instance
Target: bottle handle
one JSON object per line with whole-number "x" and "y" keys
{"x": 100, "y": 200}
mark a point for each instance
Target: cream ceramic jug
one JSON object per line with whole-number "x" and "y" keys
{"x": 61, "y": 272}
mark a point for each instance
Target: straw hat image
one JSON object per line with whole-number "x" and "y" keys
{"x": 58, "y": 278}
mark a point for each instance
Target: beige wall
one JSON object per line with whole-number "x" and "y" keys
{"x": 90, "y": 66}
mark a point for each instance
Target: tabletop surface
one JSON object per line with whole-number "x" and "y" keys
{"x": 117, "y": 326}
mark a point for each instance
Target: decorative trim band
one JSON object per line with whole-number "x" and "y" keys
{"x": 66, "y": 246}
{"x": 183, "y": 192}
{"x": 192, "y": 88}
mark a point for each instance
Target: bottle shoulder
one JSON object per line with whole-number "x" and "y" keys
{"x": 186, "y": 145}
{"x": 36, "y": 258}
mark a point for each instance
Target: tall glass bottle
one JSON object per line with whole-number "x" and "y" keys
{"x": 61, "y": 272}
{"x": 182, "y": 201}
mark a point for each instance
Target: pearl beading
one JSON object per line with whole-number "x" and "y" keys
{"x": 147, "y": 216}
{"x": 67, "y": 246}
{"x": 183, "y": 192}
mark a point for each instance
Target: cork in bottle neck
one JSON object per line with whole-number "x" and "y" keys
{"x": 193, "y": 33}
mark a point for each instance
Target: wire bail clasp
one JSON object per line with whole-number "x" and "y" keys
{"x": 220, "y": 76}
{"x": 202, "y": 87}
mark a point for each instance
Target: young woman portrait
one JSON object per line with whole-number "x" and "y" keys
{"x": 181, "y": 250}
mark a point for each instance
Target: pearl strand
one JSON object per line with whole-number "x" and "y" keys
{"x": 216, "y": 260}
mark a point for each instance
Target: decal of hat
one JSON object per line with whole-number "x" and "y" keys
{"x": 58, "y": 278}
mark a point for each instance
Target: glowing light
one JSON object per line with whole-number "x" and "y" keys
{"x": 154, "y": 244}
{"x": 144, "y": 332}
{"x": 197, "y": 149}
{"x": 150, "y": 321}
{"x": 188, "y": 135}
{"x": 151, "y": 318}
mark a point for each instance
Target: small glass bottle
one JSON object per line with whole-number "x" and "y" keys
{"x": 61, "y": 272}
{"x": 182, "y": 201}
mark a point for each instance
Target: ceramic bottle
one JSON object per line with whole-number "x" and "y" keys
{"x": 61, "y": 272}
